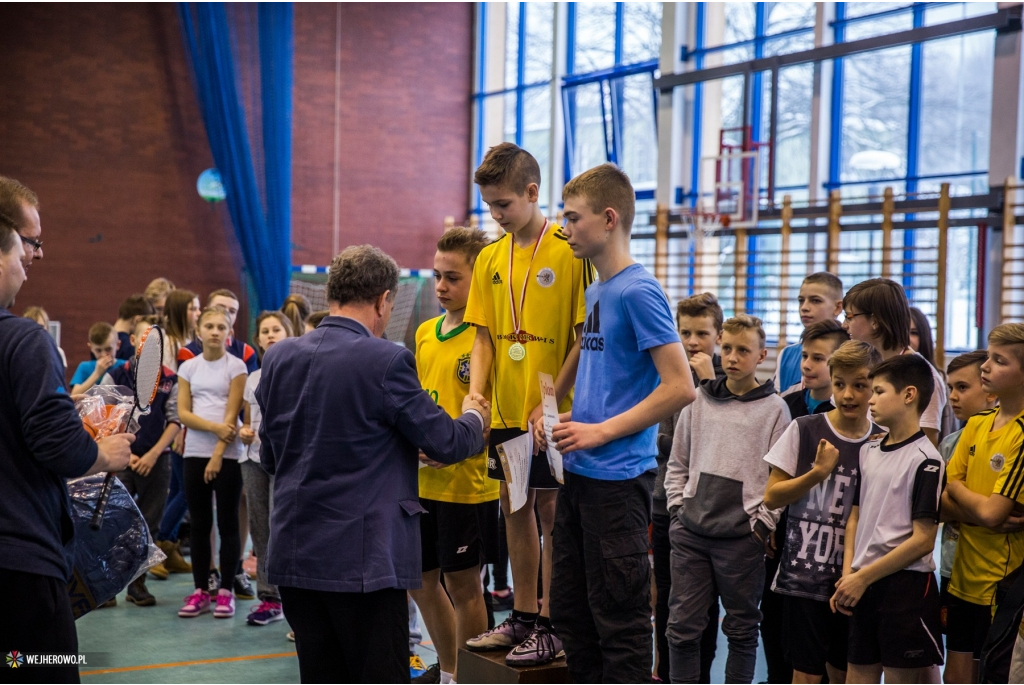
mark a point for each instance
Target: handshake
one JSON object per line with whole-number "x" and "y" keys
{"x": 478, "y": 403}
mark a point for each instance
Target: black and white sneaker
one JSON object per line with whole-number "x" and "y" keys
{"x": 213, "y": 582}
{"x": 242, "y": 587}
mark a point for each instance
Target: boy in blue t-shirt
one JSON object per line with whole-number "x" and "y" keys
{"x": 632, "y": 374}
{"x": 103, "y": 345}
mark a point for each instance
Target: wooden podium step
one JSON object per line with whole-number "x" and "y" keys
{"x": 489, "y": 667}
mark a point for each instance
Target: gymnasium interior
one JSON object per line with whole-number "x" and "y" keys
{"x": 765, "y": 141}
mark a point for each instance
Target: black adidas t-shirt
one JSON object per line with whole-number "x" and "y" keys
{"x": 812, "y": 553}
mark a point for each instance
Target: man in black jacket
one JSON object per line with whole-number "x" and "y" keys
{"x": 42, "y": 442}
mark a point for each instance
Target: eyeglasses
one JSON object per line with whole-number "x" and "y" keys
{"x": 849, "y": 317}
{"x": 36, "y": 245}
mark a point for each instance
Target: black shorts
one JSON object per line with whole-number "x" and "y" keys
{"x": 967, "y": 625}
{"x": 455, "y": 537}
{"x": 897, "y": 623}
{"x": 540, "y": 472}
{"x": 814, "y": 635}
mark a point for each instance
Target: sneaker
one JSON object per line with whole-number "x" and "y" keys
{"x": 431, "y": 675}
{"x": 290, "y": 636}
{"x": 508, "y": 633}
{"x": 503, "y": 602}
{"x": 226, "y": 605}
{"x": 196, "y": 603}
{"x": 213, "y": 584}
{"x": 541, "y": 646}
{"x": 242, "y": 587}
{"x": 416, "y": 666}
{"x": 139, "y": 595}
{"x": 264, "y": 613}
{"x": 175, "y": 562}
{"x": 159, "y": 571}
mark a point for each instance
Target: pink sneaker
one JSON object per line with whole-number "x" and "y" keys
{"x": 196, "y": 603}
{"x": 225, "y": 604}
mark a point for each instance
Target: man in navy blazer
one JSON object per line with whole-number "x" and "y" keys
{"x": 344, "y": 418}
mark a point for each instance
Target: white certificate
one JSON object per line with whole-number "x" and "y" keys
{"x": 550, "y": 406}
{"x": 516, "y": 457}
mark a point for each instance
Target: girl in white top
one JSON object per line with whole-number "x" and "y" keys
{"x": 877, "y": 312}
{"x": 209, "y": 401}
{"x": 271, "y": 328}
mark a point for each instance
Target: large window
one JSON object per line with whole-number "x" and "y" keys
{"x": 513, "y": 96}
{"x": 605, "y": 95}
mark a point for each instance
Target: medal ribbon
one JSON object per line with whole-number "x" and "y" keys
{"x": 517, "y": 319}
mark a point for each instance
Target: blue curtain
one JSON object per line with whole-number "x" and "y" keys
{"x": 258, "y": 194}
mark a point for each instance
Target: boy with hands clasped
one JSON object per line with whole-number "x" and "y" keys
{"x": 632, "y": 374}
{"x": 888, "y": 584}
{"x": 815, "y": 472}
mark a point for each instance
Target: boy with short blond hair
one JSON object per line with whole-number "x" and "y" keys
{"x": 527, "y": 304}
{"x": 984, "y": 489}
{"x": 102, "y": 345}
{"x": 888, "y": 584}
{"x": 715, "y": 483}
{"x": 632, "y": 374}
{"x": 459, "y": 527}
{"x": 817, "y": 343}
{"x": 699, "y": 320}
{"x": 814, "y": 473}
{"x": 820, "y": 299}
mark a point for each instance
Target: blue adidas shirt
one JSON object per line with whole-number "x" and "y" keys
{"x": 626, "y": 316}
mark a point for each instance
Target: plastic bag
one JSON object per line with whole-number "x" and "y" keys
{"x": 105, "y": 410}
{"x": 107, "y": 560}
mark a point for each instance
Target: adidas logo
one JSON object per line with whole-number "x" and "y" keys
{"x": 496, "y": 279}
{"x": 592, "y": 339}
{"x": 593, "y": 324}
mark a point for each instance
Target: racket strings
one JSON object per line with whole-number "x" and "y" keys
{"x": 149, "y": 367}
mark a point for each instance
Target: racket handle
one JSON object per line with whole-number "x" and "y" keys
{"x": 101, "y": 503}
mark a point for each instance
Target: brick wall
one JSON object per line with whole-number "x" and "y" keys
{"x": 100, "y": 119}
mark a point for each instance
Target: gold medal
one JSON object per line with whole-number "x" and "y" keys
{"x": 517, "y": 351}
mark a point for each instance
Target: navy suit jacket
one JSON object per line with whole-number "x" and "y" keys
{"x": 344, "y": 416}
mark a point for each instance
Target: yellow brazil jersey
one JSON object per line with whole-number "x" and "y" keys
{"x": 553, "y": 305}
{"x": 442, "y": 362}
{"x": 989, "y": 461}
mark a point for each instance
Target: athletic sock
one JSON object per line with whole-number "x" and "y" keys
{"x": 446, "y": 678}
{"x": 524, "y": 617}
{"x": 544, "y": 621}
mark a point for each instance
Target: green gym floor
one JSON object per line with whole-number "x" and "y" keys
{"x": 153, "y": 645}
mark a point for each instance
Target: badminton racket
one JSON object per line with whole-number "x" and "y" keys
{"x": 146, "y": 375}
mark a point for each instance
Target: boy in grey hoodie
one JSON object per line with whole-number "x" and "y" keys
{"x": 715, "y": 485}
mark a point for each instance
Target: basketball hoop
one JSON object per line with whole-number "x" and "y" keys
{"x": 700, "y": 225}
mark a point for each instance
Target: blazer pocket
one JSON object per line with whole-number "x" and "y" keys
{"x": 412, "y": 507}
{"x": 626, "y": 570}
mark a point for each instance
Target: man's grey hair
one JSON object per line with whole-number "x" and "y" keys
{"x": 361, "y": 274}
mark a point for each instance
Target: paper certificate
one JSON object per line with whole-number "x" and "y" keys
{"x": 550, "y": 407}
{"x": 516, "y": 457}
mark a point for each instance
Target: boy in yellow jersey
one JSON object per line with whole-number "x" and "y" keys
{"x": 527, "y": 304}
{"x": 459, "y": 529}
{"x": 985, "y": 485}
